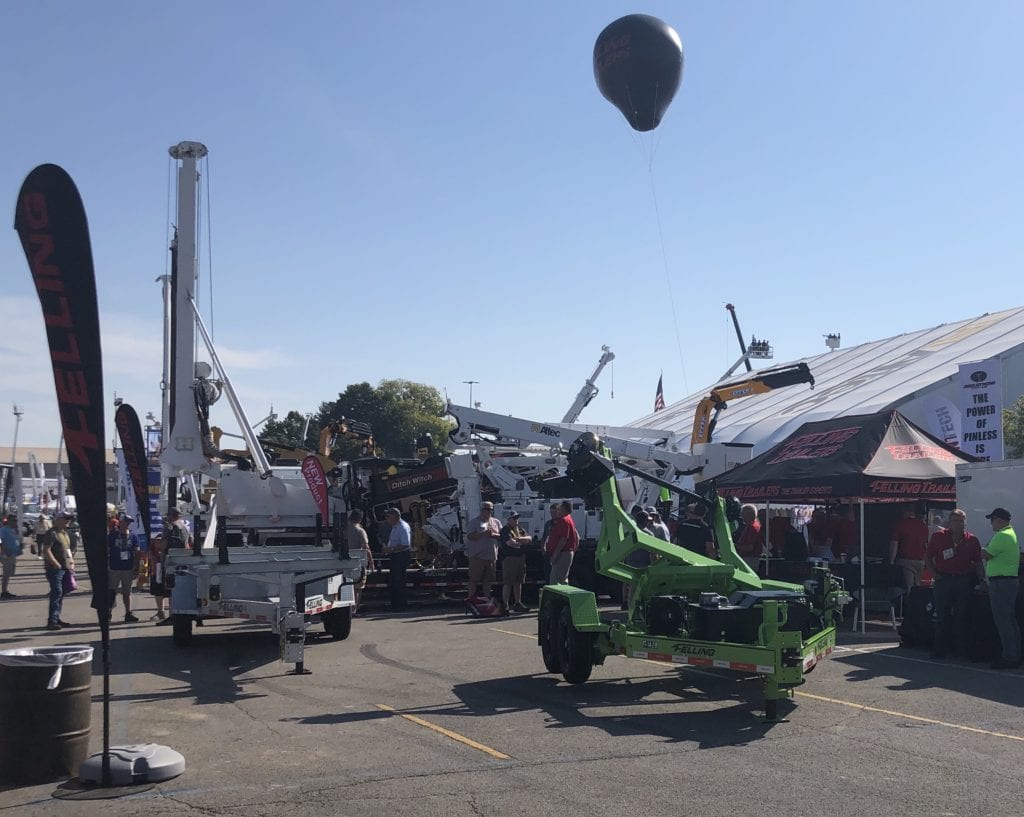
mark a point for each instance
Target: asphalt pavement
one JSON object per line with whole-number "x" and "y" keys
{"x": 435, "y": 713}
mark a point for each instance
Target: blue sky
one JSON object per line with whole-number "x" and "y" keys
{"x": 439, "y": 192}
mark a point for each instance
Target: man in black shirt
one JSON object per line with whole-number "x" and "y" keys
{"x": 695, "y": 534}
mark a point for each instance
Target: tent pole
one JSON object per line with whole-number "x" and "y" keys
{"x": 863, "y": 590}
{"x": 767, "y": 542}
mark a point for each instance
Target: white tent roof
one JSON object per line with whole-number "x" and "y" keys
{"x": 891, "y": 373}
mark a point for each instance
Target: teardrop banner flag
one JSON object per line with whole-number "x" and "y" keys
{"x": 316, "y": 479}
{"x": 54, "y": 233}
{"x": 129, "y": 431}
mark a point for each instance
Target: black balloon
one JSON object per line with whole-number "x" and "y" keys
{"x": 638, "y": 64}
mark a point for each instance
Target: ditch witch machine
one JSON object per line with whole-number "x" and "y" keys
{"x": 686, "y": 608}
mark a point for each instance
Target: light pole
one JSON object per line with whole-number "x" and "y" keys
{"x": 14, "y": 457}
{"x": 470, "y": 383}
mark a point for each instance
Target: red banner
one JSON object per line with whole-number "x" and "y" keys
{"x": 316, "y": 479}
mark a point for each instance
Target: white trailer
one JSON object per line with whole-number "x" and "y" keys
{"x": 982, "y": 486}
{"x": 264, "y": 556}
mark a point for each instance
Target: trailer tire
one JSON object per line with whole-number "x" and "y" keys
{"x": 575, "y": 649}
{"x": 547, "y": 635}
{"x": 338, "y": 623}
{"x": 181, "y": 627}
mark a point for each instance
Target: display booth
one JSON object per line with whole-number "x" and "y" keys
{"x": 865, "y": 458}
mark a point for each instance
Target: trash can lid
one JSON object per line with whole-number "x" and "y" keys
{"x": 46, "y": 656}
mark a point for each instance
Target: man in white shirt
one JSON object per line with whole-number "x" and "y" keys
{"x": 399, "y": 551}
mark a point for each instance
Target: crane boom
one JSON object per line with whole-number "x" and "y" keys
{"x": 589, "y": 390}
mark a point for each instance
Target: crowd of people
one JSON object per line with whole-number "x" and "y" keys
{"x": 953, "y": 556}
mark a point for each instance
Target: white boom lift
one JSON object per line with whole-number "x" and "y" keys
{"x": 589, "y": 390}
{"x": 263, "y": 579}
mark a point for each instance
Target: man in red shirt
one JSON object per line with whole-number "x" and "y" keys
{"x": 751, "y": 542}
{"x": 845, "y": 533}
{"x": 954, "y": 558}
{"x": 907, "y": 545}
{"x": 561, "y": 545}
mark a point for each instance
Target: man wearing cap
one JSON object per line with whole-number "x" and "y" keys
{"x": 655, "y": 526}
{"x": 123, "y": 553}
{"x": 954, "y": 559}
{"x": 513, "y": 564}
{"x": 695, "y": 534}
{"x": 399, "y": 551}
{"x": 1002, "y": 559}
{"x": 55, "y": 548}
{"x": 482, "y": 535}
{"x": 176, "y": 533}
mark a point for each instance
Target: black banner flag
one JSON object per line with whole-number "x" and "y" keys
{"x": 129, "y": 431}
{"x": 51, "y": 223}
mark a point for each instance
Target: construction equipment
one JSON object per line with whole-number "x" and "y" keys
{"x": 686, "y": 608}
{"x": 589, "y": 390}
{"x": 263, "y": 552}
{"x": 708, "y": 409}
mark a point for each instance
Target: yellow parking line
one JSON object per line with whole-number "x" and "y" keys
{"x": 448, "y": 733}
{"x": 510, "y": 632}
{"x": 933, "y": 721}
{"x": 851, "y": 704}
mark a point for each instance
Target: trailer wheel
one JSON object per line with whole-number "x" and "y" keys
{"x": 575, "y": 650}
{"x": 338, "y": 623}
{"x": 547, "y": 634}
{"x": 181, "y": 626}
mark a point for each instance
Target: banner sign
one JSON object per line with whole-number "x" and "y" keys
{"x": 943, "y": 419}
{"x": 54, "y": 233}
{"x": 981, "y": 408}
{"x": 316, "y": 479}
{"x": 129, "y": 431}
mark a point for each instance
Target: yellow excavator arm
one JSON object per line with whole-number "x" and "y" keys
{"x": 708, "y": 409}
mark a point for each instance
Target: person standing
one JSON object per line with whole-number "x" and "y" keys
{"x": 954, "y": 558}
{"x": 553, "y": 515}
{"x": 399, "y": 550}
{"x": 55, "y": 548}
{"x": 750, "y": 545}
{"x": 176, "y": 532}
{"x": 1002, "y": 560}
{"x": 122, "y": 555}
{"x": 695, "y": 534}
{"x": 482, "y": 535}
{"x": 358, "y": 540}
{"x": 907, "y": 546}
{"x": 10, "y": 550}
{"x": 655, "y": 526}
{"x": 157, "y": 565}
{"x": 513, "y": 564}
{"x": 561, "y": 544}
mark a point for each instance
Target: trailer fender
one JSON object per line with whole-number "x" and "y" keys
{"x": 582, "y": 606}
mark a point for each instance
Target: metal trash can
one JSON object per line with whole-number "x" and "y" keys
{"x": 45, "y": 706}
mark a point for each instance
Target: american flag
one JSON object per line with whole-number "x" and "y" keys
{"x": 659, "y": 398}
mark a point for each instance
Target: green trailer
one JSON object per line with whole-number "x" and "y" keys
{"x": 686, "y": 608}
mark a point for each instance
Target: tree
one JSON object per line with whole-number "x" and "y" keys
{"x": 286, "y": 433}
{"x": 1013, "y": 430}
{"x": 398, "y": 411}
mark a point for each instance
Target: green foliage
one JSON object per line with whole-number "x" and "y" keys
{"x": 286, "y": 433}
{"x": 1013, "y": 430}
{"x": 397, "y": 410}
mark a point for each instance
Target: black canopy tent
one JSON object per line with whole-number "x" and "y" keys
{"x": 879, "y": 457}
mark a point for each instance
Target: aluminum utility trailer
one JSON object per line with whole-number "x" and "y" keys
{"x": 686, "y": 608}
{"x": 277, "y": 586}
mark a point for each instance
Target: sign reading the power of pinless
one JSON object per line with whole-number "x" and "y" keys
{"x": 981, "y": 406}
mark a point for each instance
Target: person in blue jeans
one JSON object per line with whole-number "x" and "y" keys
{"x": 55, "y": 548}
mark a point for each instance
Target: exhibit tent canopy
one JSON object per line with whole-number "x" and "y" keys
{"x": 880, "y": 457}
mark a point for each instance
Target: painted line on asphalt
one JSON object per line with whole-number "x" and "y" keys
{"x": 448, "y": 733}
{"x": 864, "y": 707}
{"x": 510, "y": 632}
